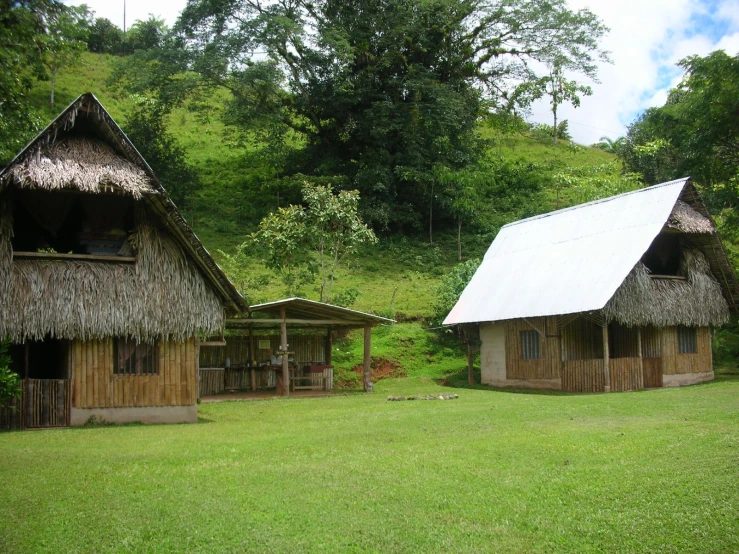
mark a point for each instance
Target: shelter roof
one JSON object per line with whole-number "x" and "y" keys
{"x": 300, "y": 311}
{"x": 87, "y": 117}
{"x": 573, "y": 260}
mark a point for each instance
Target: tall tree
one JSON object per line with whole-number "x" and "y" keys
{"x": 23, "y": 43}
{"x": 146, "y": 34}
{"x": 104, "y": 37}
{"x": 67, "y": 32}
{"x": 146, "y": 128}
{"x": 378, "y": 91}
{"x": 696, "y": 132}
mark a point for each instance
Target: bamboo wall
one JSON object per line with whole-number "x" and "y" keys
{"x": 548, "y": 364}
{"x": 583, "y": 376}
{"x": 674, "y": 363}
{"x": 95, "y": 386}
{"x": 626, "y": 374}
{"x": 306, "y": 348}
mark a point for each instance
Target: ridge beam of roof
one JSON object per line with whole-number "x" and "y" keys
{"x": 298, "y": 320}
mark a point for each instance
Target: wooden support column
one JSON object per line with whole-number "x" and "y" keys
{"x": 606, "y": 364}
{"x": 329, "y": 347}
{"x": 197, "y": 367}
{"x": 283, "y": 347}
{"x": 26, "y": 365}
{"x": 252, "y": 362}
{"x": 367, "y": 376}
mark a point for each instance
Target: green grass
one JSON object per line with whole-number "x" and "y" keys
{"x": 652, "y": 471}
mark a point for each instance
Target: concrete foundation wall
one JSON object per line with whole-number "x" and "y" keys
{"x": 154, "y": 414}
{"x": 683, "y": 379}
{"x": 492, "y": 353}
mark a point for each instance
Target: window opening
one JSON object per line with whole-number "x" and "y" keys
{"x": 663, "y": 256}
{"x": 47, "y": 359}
{"x": 68, "y": 223}
{"x": 135, "y": 358}
{"x": 530, "y": 349}
{"x": 687, "y": 340}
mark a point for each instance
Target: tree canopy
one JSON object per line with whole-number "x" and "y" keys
{"x": 372, "y": 92}
{"x": 23, "y": 45}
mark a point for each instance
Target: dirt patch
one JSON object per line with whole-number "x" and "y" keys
{"x": 382, "y": 368}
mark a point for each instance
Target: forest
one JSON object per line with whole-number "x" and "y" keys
{"x": 415, "y": 112}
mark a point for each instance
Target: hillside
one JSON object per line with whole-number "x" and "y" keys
{"x": 397, "y": 275}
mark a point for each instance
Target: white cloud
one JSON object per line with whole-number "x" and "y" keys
{"x": 647, "y": 38}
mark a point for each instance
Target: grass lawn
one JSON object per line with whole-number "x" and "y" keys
{"x": 652, "y": 471}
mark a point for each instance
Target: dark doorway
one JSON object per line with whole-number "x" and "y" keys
{"x": 44, "y": 368}
{"x": 47, "y": 359}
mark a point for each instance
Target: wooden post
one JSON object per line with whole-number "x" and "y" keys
{"x": 470, "y": 363}
{"x": 329, "y": 347}
{"x": 283, "y": 347}
{"x": 197, "y": 366}
{"x": 367, "y": 376}
{"x": 641, "y": 360}
{"x": 25, "y": 404}
{"x": 252, "y": 362}
{"x": 606, "y": 364}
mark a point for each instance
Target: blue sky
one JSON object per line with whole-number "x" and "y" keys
{"x": 647, "y": 39}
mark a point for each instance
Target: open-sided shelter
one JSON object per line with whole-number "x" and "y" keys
{"x": 104, "y": 288}
{"x": 251, "y": 356}
{"x": 612, "y": 295}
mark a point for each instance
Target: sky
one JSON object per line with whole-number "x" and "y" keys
{"x": 647, "y": 39}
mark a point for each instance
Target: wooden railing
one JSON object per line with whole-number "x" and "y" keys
{"x": 44, "y": 403}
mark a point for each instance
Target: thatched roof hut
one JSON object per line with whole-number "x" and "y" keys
{"x": 639, "y": 278}
{"x": 159, "y": 283}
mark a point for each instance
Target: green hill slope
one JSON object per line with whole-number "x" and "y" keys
{"x": 397, "y": 275}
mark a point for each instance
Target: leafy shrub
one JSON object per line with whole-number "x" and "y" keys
{"x": 451, "y": 287}
{"x": 9, "y": 381}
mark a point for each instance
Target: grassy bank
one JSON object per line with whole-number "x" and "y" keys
{"x": 492, "y": 471}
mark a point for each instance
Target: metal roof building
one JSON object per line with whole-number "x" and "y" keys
{"x": 616, "y": 294}
{"x": 573, "y": 260}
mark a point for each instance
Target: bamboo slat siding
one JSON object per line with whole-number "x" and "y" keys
{"x": 674, "y": 363}
{"x": 626, "y": 374}
{"x": 582, "y": 339}
{"x": 306, "y": 348}
{"x": 547, "y": 366}
{"x": 652, "y": 372}
{"x": 211, "y": 381}
{"x": 650, "y": 342}
{"x": 47, "y": 403}
{"x": 95, "y": 386}
{"x": 622, "y": 341}
{"x": 583, "y": 376}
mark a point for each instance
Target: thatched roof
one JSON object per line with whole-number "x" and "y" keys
{"x": 696, "y": 300}
{"x": 160, "y": 296}
{"x": 686, "y": 219}
{"x": 108, "y": 159}
{"x": 575, "y": 260}
{"x": 77, "y": 163}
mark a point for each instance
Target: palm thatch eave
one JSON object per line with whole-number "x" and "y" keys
{"x": 160, "y": 203}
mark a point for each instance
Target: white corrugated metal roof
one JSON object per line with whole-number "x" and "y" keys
{"x": 567, "y": 261}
